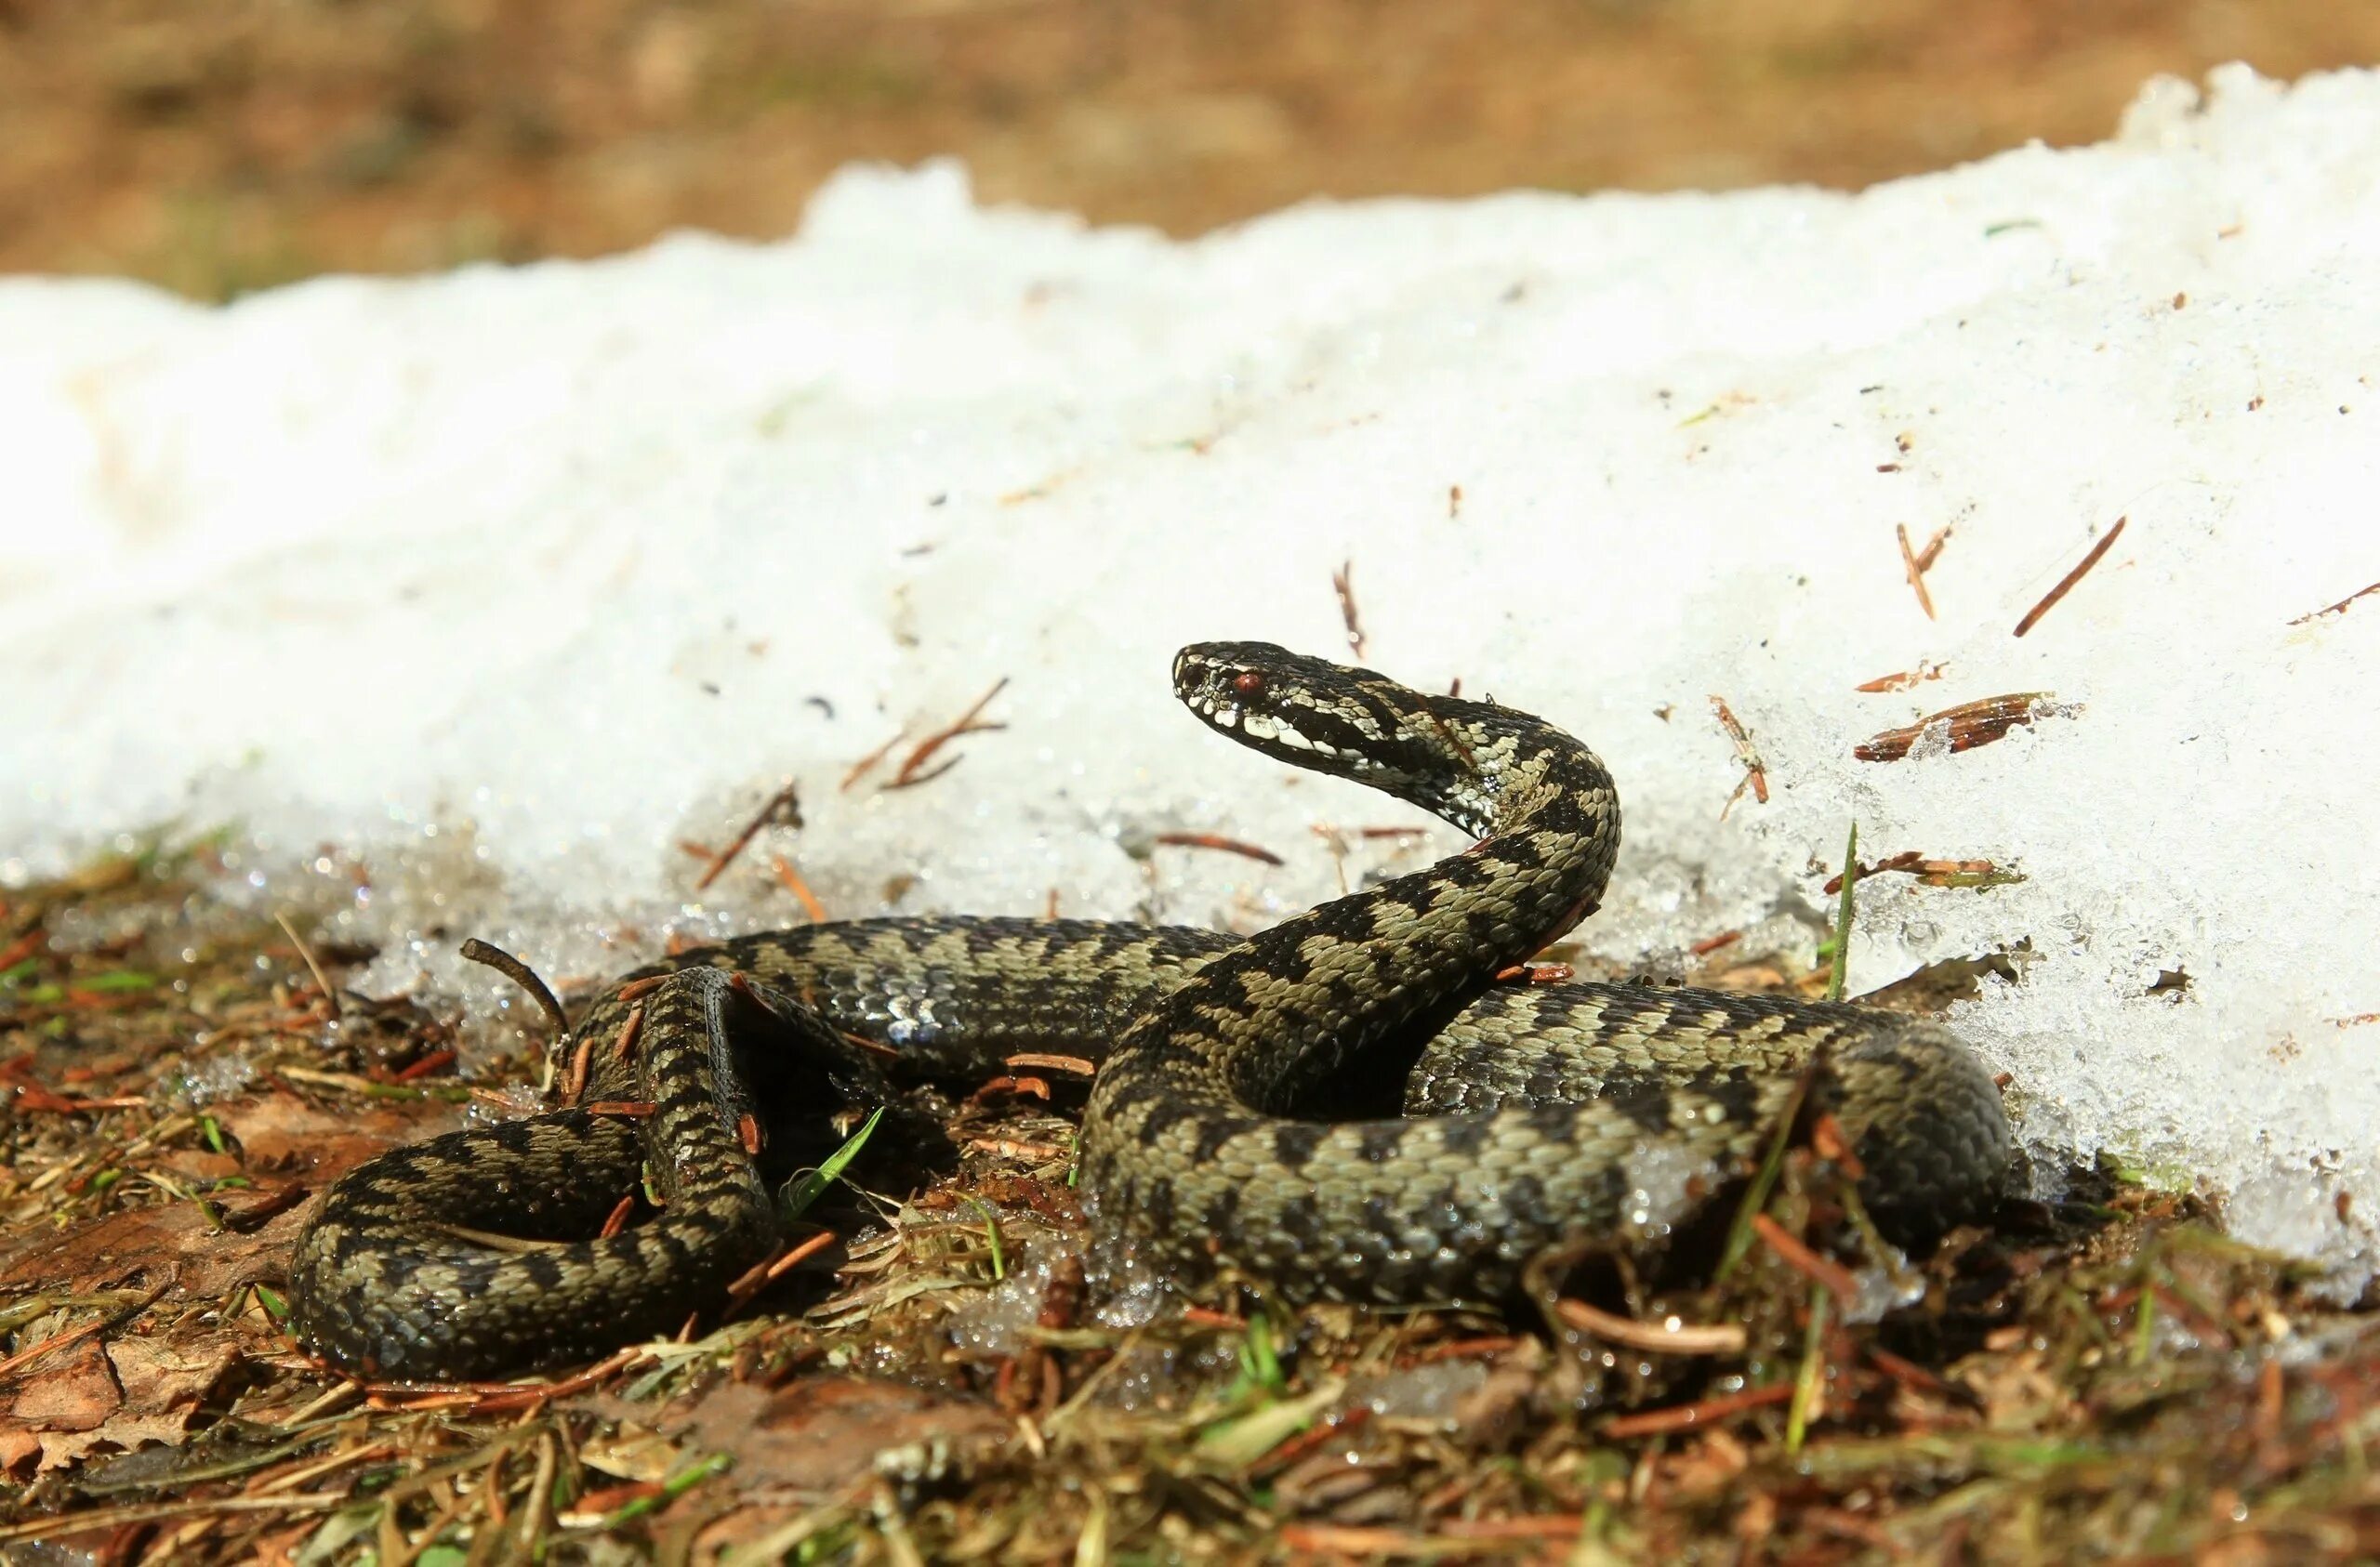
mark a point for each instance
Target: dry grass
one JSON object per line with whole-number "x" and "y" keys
{"x": 2110, "y": 1380}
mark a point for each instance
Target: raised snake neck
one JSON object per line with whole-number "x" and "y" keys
{"x": 1533, "y": 1114}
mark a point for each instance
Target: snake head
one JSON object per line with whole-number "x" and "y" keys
{"x": 1278, "y": 701}
{"x": 1329, "y": 718}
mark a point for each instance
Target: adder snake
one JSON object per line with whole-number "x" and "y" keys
{"x": 1531, "y": 1115}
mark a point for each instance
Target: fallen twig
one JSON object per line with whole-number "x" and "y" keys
{"x": 1343, "y": 582}
{"x": 1755, "y": 776}
{"x": 1217, "y": 841}
{"x": 2033, "y": 615}
{"x": 782, "y": 810}
{"x": 908, "y": 773}
{"x": 306, "y": 955}
{"x": 2337, "y": 608}
{"x": 1915, "y": 563}
{"x": 1970, "y": 723}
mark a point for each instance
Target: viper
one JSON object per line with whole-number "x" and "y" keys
{"x": 1355, "y": 1104}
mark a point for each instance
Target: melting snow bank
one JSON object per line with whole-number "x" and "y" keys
{"x": 499, "y": 585}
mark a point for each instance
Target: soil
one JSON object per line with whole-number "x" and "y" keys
{"x": 221, "y": 147}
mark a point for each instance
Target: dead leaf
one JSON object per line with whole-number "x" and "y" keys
{"x": 115, "y": 1395}
{"x": 278, "y": 1132}
{"x": 821, "y": 1436}
{"x": 285, "y": 1133}
{"x": 151, "y": 1246}
{"x": 68, "y": 1389}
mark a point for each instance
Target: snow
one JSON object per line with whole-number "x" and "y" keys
{"x": 494, "y": 587}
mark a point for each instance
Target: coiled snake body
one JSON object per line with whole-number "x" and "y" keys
{"x": 1532, "y": 1115}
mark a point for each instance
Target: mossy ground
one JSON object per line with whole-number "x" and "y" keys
{"x": 2107, "y": 1380}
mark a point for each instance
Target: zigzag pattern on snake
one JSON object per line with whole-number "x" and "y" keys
{"x": 1526, "y": 1109}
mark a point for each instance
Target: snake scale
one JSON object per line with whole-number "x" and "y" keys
{"x": 1346, "y": 1106}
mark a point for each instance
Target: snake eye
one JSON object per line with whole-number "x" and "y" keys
{"x": 1249, "y": 682}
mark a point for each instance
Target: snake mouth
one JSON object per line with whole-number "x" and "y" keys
{"x": 1347, "y": 723}
{"x": 1265, "y": 697}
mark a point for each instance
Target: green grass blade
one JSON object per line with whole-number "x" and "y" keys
{"x": 1843, "y": 916}
{"x": 809, "y": 1187}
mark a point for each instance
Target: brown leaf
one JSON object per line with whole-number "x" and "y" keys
{"x": 71, "y": 1390}
{"x": 121, "y": 1396}
{"x": 151, "y": 1246}
{"x": 819, "y": 1436}
{"x": 285, "y": 1132}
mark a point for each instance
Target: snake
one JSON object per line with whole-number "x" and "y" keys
{"x": 1376, "y": 1100}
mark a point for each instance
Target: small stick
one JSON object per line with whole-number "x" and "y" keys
{"x": 1834, "y": 1145}
{"x": 1654, "y": 1422}
{"x": 24, "y": 1358}
{"x": 791, "y": 880}
{"x": 1466, "y": 1349}
{"x": 520, "y": 974}
{"x": 1342, "y": 581}
{"x": 909, "y": 774}
{"x": 501, "y": 1397}
{"x": 2271, "y": 1390}
{"x": 801, "y": 1253}
{"x": 1797, "y": 1256}
{"x": 1217, "y": 841}
{"x": 1914, "y": 569}
{"x": 431, "y": 1062}
{"x": 631, "y": 1030}
{"x": 1717, "y": 1338}
{"x": 1905, "y": 680}
{"x": 873, "y": 1046}
{"x": 860, "y": 769}
{"x": 122, "y": 1314}
{"x": 1320, "y": 1434}
{"x": 747, "y": 1283}
{"x": 1037, "y": 1088}
{"x": 2033, "y": 615}
{"x": 1013, "y": 1147}
{"x": 1906, "y": 1372}
{"x": 574, "y": 1081}
{"x": 32, "y": 1096}
{"x": 312, "y": 966}
{"x": 783, "y": 809}
{"x": 1755, "y": 776}
{"x": 1971, "y": 724}
{"x": 1035, "y": 1059}
{"x": 1207, "y": 1316}
{"x": 1908, "y": 860}
{"x": 2337, "y": 608}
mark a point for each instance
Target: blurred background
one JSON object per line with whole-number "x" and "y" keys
{"x": 222, "y": 146}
